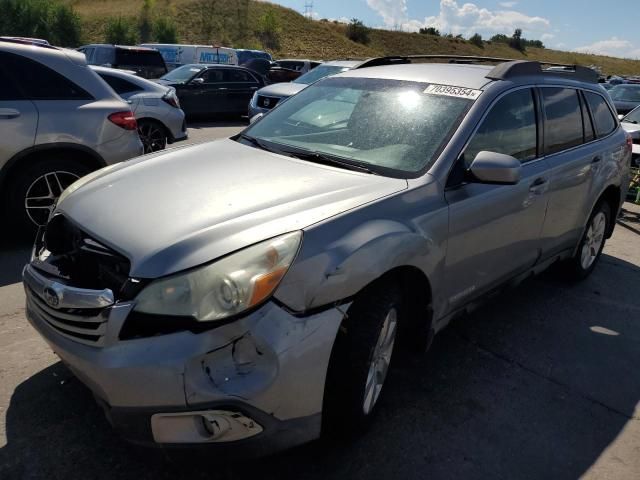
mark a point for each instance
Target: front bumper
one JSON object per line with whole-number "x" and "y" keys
{"x": 270, "y": 366}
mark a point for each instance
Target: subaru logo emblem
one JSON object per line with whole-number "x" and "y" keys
{"x": 51, "y": 297}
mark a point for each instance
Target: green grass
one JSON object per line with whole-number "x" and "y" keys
{"x": 303, "y": 38}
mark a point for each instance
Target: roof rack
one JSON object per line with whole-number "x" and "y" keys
{"x": 505, "y": 69}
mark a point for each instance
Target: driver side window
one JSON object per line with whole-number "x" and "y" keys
{"x": 509, "y": 128}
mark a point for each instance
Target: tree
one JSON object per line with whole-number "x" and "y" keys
{"x": 476, "y": 39}
{"x": 516, "y": 40}
{"x": 165, "y": 31}
{"x": 269, "y": 30}
{"x": 119, "y": 30}
{"x": 430, "y": 31}
{"x": 357, "y": 31}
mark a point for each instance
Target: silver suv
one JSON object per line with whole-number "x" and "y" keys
{"x": 252, "y": 291}
{"x": 58, "y": 121}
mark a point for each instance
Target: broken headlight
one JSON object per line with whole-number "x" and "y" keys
{"x": 224, "y": 288}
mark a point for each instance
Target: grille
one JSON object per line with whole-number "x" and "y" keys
{"x": 86, "y": 326}
{"x": 267, "y": 102}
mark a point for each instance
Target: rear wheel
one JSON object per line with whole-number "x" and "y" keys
{"x": 153, "y": 135}
{"x": 591, "y": 245}
{"x": 361, "y": 358}
{"x": 34, "y": 190}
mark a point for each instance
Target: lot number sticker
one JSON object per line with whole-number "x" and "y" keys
{"x": 449, "y": 91}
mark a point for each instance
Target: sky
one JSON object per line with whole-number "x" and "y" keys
{"x": 603, "y": 27}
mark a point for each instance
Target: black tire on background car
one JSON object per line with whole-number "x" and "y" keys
{"x": 33, "y": 190}
{"x": 153, "y": 135}
{"x": 360, "y": 358}
{"x": 591, "y": 244}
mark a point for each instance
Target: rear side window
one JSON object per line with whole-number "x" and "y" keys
{"x": 102, "y": 56}
{"x": 143, "y": 58}
{"x": 563, "y": 126}
{"x": 232, "y": 75}
{"x": 120, "y": 85}
{"x": 39, "y": 82}
{"x": 602, "y": 116}
{"x": 509, "y": 128}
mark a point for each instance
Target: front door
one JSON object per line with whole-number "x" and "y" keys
{"x": 240, "y": 87}
{"x": 494, "y": 230}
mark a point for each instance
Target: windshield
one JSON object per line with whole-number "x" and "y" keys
{"x": 182, "y": 74}
{"x": 625, "y": 93}
{"x": 320, "y": 72}
{"x": 390, "y": 126}
{"x": 633, "y": 116}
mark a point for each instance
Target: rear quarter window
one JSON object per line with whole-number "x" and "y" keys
{"x": 604, "y": 121}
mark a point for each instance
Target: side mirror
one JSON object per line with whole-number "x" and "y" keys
{"x": 495, "y": 168}
{"x": 197, "y": 81}
{"x": 255, "y": 118}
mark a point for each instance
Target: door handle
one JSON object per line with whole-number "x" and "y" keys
{"x": 538, "y": 185}
{"x": 7, "y": 113}
{"x": 596, "y": 160}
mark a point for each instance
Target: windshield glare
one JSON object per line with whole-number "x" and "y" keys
{"x": 388, "y": 125}
{"x": 320, "y": 72}
{"x": 182, "y": 74}
{"x": 625, "y": 93}
{"x": 633, "y": 116}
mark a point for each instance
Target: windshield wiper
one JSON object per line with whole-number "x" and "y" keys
{"x": 330, "y": 160}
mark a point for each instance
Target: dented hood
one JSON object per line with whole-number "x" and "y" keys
{"x": 186, "y": 207}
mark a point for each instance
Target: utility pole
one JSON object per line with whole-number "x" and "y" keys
{"x": 308, "y": 9}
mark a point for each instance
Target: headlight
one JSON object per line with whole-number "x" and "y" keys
{"x": 224, "y": 288}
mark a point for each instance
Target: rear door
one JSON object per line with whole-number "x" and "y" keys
{"x": 575, "y": 157}
{"x": 18, "y": 116}
{"x": 239, "y": 86}
{"x": 494, "y": 230}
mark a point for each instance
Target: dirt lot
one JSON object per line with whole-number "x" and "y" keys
{"x": 539, "y": 383}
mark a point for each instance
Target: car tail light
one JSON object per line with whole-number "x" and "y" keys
{"x": 124, "y": 120}
{"x": 171, "y": 98}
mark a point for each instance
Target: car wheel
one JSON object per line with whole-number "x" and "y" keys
{"x": 361, "y": 358}
{"x": 591, "y": 245}
{"x": 153, "y": 136}
{"x": 34, "y": 191}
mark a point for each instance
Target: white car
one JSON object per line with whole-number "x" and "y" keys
{"x": 631, "y": 124}
{"x": 156, "y": 108}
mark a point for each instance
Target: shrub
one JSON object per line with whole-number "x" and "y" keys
{"x": 430, "y": 31}
{"x": 165, "y": 31}
{"x": 357, "y": 31}
{"x": 49, "y": 19}
{"x": 120, "y": 30}
{"x": 145, "y": 21}
{"x": 476, "y": 39}
{"x": 269, "y": 30}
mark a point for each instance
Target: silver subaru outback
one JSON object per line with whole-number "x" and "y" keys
{"x": 251, "y": 292}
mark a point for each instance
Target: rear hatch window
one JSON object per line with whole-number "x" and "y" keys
{"x": 145, "y": 60}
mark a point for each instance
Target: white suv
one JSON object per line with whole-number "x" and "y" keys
{"x": 58, "y": 122}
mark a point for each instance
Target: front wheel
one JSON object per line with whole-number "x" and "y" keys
{"x": 361, "y": 358}
{"x": 592, "y": 242}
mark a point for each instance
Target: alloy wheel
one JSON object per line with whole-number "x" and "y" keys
{"x": 380, "y": 361}
{"x": 43, "y": 194}
{"x": 593, "y": 240}
{"x": 152, "y": 136}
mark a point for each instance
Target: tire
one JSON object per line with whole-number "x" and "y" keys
{"x": 361, "y": 358}
{"x": 153, "y": 135}
{"x": 591, "y": 244}
{"x": 38, "y": 185}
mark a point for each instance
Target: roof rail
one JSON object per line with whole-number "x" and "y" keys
{"x": 25, "y": 41}
{"x": 380, "y": 61}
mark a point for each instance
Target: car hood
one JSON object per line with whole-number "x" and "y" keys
{"x": 186, "y": 207}
{"x": 624, "y": 107}
{"x": 282, "y": 89}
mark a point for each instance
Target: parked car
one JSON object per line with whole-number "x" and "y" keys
{"x": 176, "y": 55}
{"x": 631, "y": 124}
{"x": 59, "y": 121}
{"x": 291, "y": 262}
{"x": 156, "y": 108}
{"x": 288, "y": 70}
{"x": 213, "y": 89}
{"x": 245, "y": 55}
{"x": 146, "y": 62}
{"x": 625, "y": 97}
{"x": 268, "y": 97}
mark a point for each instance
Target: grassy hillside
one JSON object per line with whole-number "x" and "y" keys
{"x": 217, "y": 21}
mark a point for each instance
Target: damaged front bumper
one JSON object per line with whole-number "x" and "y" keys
{"x": 260, "y": 377}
